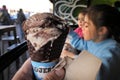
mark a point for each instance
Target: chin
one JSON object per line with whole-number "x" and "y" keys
{"x": 86, "y": 39}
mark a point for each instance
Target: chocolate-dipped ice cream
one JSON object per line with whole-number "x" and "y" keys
{"x": 45, "y": 34}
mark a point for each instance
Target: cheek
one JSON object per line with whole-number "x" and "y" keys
{"x": 86, "y": 34}
{"x": 79, "y": 23}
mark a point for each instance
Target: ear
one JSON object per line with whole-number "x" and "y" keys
{"x": 103, "y": 30}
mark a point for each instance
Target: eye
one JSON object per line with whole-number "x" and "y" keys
{"x": 86, "y": 26}
{"x": 76, "y": 18}
{"x": 79, "y": 19}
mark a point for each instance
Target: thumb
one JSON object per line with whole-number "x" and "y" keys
{"x": 60, "y": 73}
{"x": 57, "y": 74}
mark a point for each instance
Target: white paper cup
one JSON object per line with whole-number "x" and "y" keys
{"x": 42, "y": 68}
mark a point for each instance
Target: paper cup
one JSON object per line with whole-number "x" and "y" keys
{"x": 42, "y": 68}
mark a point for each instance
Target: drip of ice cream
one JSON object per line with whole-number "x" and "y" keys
{"x": 40, "y": 36}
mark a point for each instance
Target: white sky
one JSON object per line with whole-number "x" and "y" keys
{"x": 29, "y": 5}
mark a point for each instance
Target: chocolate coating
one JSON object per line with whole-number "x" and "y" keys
{"x": 54, "y": 40}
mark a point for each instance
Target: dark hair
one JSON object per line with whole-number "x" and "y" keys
{"x": 83, "y": 11}
{"x": 4, "y": 6}
{"x": 106, "y": 15}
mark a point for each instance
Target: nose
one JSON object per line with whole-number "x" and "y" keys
{"x": 79, "y": 21}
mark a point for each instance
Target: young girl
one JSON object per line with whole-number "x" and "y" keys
{"x": 101, "y": 33}
{"x": 69, "y": 50}
{"x": 80, "y": 22}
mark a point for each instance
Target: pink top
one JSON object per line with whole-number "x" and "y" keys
{"x": 79, "y": 31}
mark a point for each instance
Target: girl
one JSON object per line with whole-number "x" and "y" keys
{"x": 101, "y": 36}
{"x": 68, "y": 49}
{"x": 80, "y": 22}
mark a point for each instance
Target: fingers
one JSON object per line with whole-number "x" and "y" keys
{"x": 55, "y": 75}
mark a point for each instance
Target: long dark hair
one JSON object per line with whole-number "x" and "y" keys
{"x": 106, "y": 15}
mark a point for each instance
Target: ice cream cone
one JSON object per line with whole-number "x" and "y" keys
{"x": 45, "y": 34}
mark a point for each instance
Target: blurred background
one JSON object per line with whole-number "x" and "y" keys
{"x": 29, "y": 6}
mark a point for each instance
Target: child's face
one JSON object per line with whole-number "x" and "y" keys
{"x": 89, "y": 30}
{"x": 80, "y": 20}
